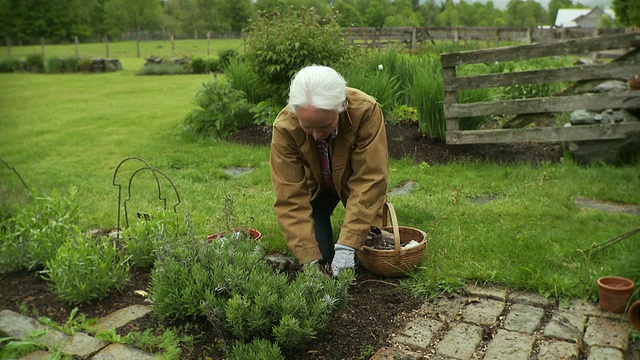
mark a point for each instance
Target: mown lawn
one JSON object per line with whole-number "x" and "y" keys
{"x": 69, "y": 130}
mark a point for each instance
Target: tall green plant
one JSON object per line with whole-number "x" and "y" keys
{"x": 243, "y": 77}
{"x": 142, "y": 239}
{"x": 220, "y": 110}
{"x": 33, "y": 235}
{"x": 278, "y": 45}
{"x": 86, "y": 269}
{"x": 427, "y": 95}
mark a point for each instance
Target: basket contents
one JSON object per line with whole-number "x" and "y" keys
{"x": 392, "y": 250}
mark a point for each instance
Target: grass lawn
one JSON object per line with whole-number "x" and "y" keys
{"x": 69, "y": 130}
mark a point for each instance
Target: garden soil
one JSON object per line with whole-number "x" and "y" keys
{"x": 376, "y": 306}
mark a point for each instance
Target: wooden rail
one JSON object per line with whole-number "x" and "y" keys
{"x": 411, "y": 37}
{"x": 624, "y": 69}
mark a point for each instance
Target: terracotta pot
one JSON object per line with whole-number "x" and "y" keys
{"x": 255, "y": 234}
{"x": 614, "y": 293}
{"x": 634, "y": 315}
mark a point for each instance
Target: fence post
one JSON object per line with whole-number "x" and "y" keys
{"x": 76, "y": 44}
{"x": 208, "y": 43}
{"x": 138, "y": 42}
{"x": 456, "y": 35}
{"x": 529, "y": 36}
{"x": 413, "y": 39}
{"x": 9, "y": 46}
{"x": 42, "y": 45}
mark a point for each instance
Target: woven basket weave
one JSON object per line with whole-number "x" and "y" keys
{"x": 400, "y": 261}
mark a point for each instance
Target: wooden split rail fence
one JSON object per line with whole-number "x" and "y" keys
{"x": 411, "y": 37}
{"x": 622, "y": 68}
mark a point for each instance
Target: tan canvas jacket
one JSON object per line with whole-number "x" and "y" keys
{"x": 360, "y": 170}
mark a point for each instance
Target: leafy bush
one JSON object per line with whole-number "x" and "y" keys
{"x": 10, "y": 65}
{"x": 33, "y": 236}
{"x": 279, "y": 45}
{"x": 230, "y": 283}
{"x": 84, "y": 65}
{"x": 258, "y": 349}
{"x": 143, "y": 238}
{"x": 70, "y": 64}
{"x": 198, "y": 65}
{"x": 226, "y": 55}
{"x": 86, "y": 269}
{"x": 34, "y": 63}
{"x": 264, "y": 113}
{"x": 220, "y": 110}
{"x": 162, "y": 69}
{"x": 54, "y": 65}
{"x": 382, "y": 85}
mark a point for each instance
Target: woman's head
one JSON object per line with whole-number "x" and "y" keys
{"x": 318, "y": 87}
{"x": 317, "y": 96}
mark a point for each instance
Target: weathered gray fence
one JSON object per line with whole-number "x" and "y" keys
{"x": 413, "y": 36}
{"x": 624, "y": 68}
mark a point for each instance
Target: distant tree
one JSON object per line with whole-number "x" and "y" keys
{"x": 429, "y": 11}
{"x": 347, "y": 15}
{"x": 124, "y": 15}
{"x": 527, "y": 14}
{"x": 627, "y": 11}
{"x": 555, "y": 5}
{"x": 402, "y": 15}
{"x": 449, "y": 16}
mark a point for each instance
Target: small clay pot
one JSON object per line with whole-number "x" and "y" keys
{"x": 253, "y": 233}
{"x": 614, "y": 293}
{"x": 634, "y": 315}
{"x": 634, "y": 83}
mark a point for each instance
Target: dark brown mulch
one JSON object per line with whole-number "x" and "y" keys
{"x": 375, "y": 305}
{"x": 405, "y": 140}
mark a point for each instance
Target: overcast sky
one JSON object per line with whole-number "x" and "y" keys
{"x": 501, "y": 4}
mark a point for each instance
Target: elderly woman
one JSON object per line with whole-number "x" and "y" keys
{"x": 329, "y": 145}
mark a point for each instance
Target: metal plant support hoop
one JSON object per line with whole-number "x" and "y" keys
{"x": 18, "y": 175}
{"x": 155, "y": 172}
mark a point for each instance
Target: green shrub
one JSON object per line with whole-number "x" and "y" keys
{"x": 34, "y": 63}
{"x": 162, "y": 69}
{"x": 264, "y": 113}
{"x": 381, "y": 84}
{"x": 85, "y": 65}
{"x": 279, "y": 45}
{"x": 258, "y": 349}
{"x": 243, "y": 78}
{"x": 220, "y": 110}
{"x": 427, "y": 95}
{"x": 225, "y": 56}
{"x": 198, "y": 65}
{"x": 10, "y": 65}
{"x": 142, "y": 239}
{"x": 33, "y": 236}
{"x": 70, "y": 64}
{"x": 86, "y": 269}
{"x": 53, "y": 66}
{"x": 229, "y": 282}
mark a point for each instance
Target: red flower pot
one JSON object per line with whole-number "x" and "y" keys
{"x": 255, "y": 234}
{"x": 614, "y": 293}
{"x": 634, "y": 315}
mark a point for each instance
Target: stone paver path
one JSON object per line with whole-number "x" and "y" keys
{"x": 488, "y": 323}
{"x": 493, "y": 323}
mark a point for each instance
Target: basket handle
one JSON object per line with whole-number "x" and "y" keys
{"x": 389, "y": 211}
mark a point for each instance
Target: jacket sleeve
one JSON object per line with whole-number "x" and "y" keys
{"x": 293, "y": 198}
{"x": 368, "y": 183}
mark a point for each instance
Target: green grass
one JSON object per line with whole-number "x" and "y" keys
{"x": 129, "y": 49}
{"x": 74, "y": 129}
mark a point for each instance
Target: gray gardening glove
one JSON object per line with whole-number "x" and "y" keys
{"x": 344, "y": 258}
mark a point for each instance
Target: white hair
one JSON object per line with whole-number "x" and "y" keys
{"x": 320, "y": 87}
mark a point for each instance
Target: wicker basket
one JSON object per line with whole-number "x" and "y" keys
{"x": 400, "y": 261}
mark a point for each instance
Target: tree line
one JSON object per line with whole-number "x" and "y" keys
{"x": 62, "y": 21}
